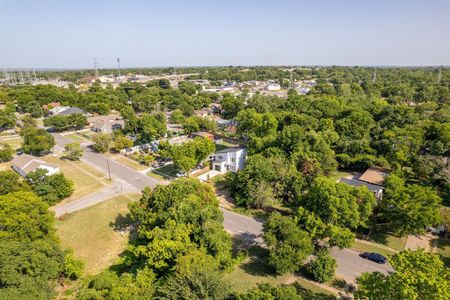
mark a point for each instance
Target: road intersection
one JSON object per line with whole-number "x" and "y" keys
{"x": 349, "y": 264}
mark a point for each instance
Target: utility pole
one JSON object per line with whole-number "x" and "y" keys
{"x": 374, "y": 77}
{"x": 96, "y": 68}
{"x": 291, "y": 79}
{"x": 118, "y": 64}
{"x": 109, "y": 170}
{"x": 439, "y": 75}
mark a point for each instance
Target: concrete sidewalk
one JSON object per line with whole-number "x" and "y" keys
{"x": 104, "y": 194}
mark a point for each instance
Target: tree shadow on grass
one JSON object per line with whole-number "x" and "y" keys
{"x": 257, "y": 264}
{"x": 443, "y": 244}
{"x": 122, "y": 222}
{"x": 310, "y": 295}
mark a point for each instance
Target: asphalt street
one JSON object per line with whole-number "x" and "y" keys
{"x": 349, "y": 264}
{"x": 107, "y": 165}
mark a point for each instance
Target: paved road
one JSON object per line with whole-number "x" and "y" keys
{"x": 246, "y": 228}
{"x": 103, "y": 194}
{"x": 350, "y": 265}
{"x": 118, "y": 170}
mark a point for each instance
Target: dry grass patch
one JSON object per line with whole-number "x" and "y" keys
{"x": 91, "y": 234}
{"x": 86, "y": 179}
{"x": 15, "y": 141}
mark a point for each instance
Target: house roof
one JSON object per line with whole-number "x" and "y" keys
{"x": 374, "y": 175}
{"x": 357, "y": 183}
{"x": 110, "y": 123}
{"x": 71, "y": 111}
{"x": 105, "y": 118}
{"x": 29, "y": 163}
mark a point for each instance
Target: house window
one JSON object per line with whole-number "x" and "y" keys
{"x": 233, "y": 159}
{"x": 232, "y": 168}
{"x": 220, "y": 157}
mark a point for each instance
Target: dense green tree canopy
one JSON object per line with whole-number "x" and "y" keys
{"x": 29, "y": 270}
{"x": 37, "y": 141}
{"x": 24, "y": 217}
{"x": 288, "y": 244}
{"x": 339, "y": 203}
{"x": 50, "y": 188}
{"x": 409, "y": 208}
{"x": 177, "y": 219}
{"x": 418, "y": 275}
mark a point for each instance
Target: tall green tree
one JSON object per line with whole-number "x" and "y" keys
{"x": 29, "y": 270}
{"x": 102, "y": 142}
{"x": 11, "y": 182}
{"x": 288, "y": 244}
{"x": 338, "y": 203}
{"x": 196, "y": 277}
{"x": 418, "y": 275}
{"x": 323, "y": 267}
{"x": 51, "y": 188}
{"x": 37, "y": 141}
{"x": 24, "y": 217}
{"x": 409, "y": 208}
{"x": 73, "y": 151}
{"x": 175, "y": 220}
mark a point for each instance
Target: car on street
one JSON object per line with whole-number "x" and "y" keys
{"x": 376, "y": 257}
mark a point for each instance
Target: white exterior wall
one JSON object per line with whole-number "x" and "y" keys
{"x": 273, "y": 87}
{"x": 50, "y": 170}
{"x": 229, "y": 161}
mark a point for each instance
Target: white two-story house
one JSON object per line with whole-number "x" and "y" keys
{"x": 231, "y": 159}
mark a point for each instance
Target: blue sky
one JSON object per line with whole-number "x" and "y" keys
{"x": 70, "y": 34}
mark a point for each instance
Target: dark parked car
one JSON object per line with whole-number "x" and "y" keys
{"x": 378, "y": 258}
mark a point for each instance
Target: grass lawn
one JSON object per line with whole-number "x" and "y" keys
{"x": 90, "y": 233}
{"x": 312, "y": 291}
{"x": 339, "y": 174}
{"x": 168, "y": 171}
{"x": 76, "y": 138}
{"x": 5, "y": 166}
{"x": 362, "y": 247}
{"x": 85, "y": 178}
{"x": 224, "y": 145}
{"x": 381, "y": 237}
{"x": 443, "y": 248}
{"x": 156, "y": 176}
{"x": 14, "y": 141}
{"x": 254, "y": 270}
{"x": 130, "y": 162}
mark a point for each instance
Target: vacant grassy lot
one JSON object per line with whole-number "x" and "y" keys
{"x": 168, "y": 171}
{"x": 254, "y": 270}
{"x": 76, "y": 138}
{"x": 15, "y": 141}
{"x": 85, "y": 178}
{"x": 92, "y": 235}
{"x": 129, "y": 162}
